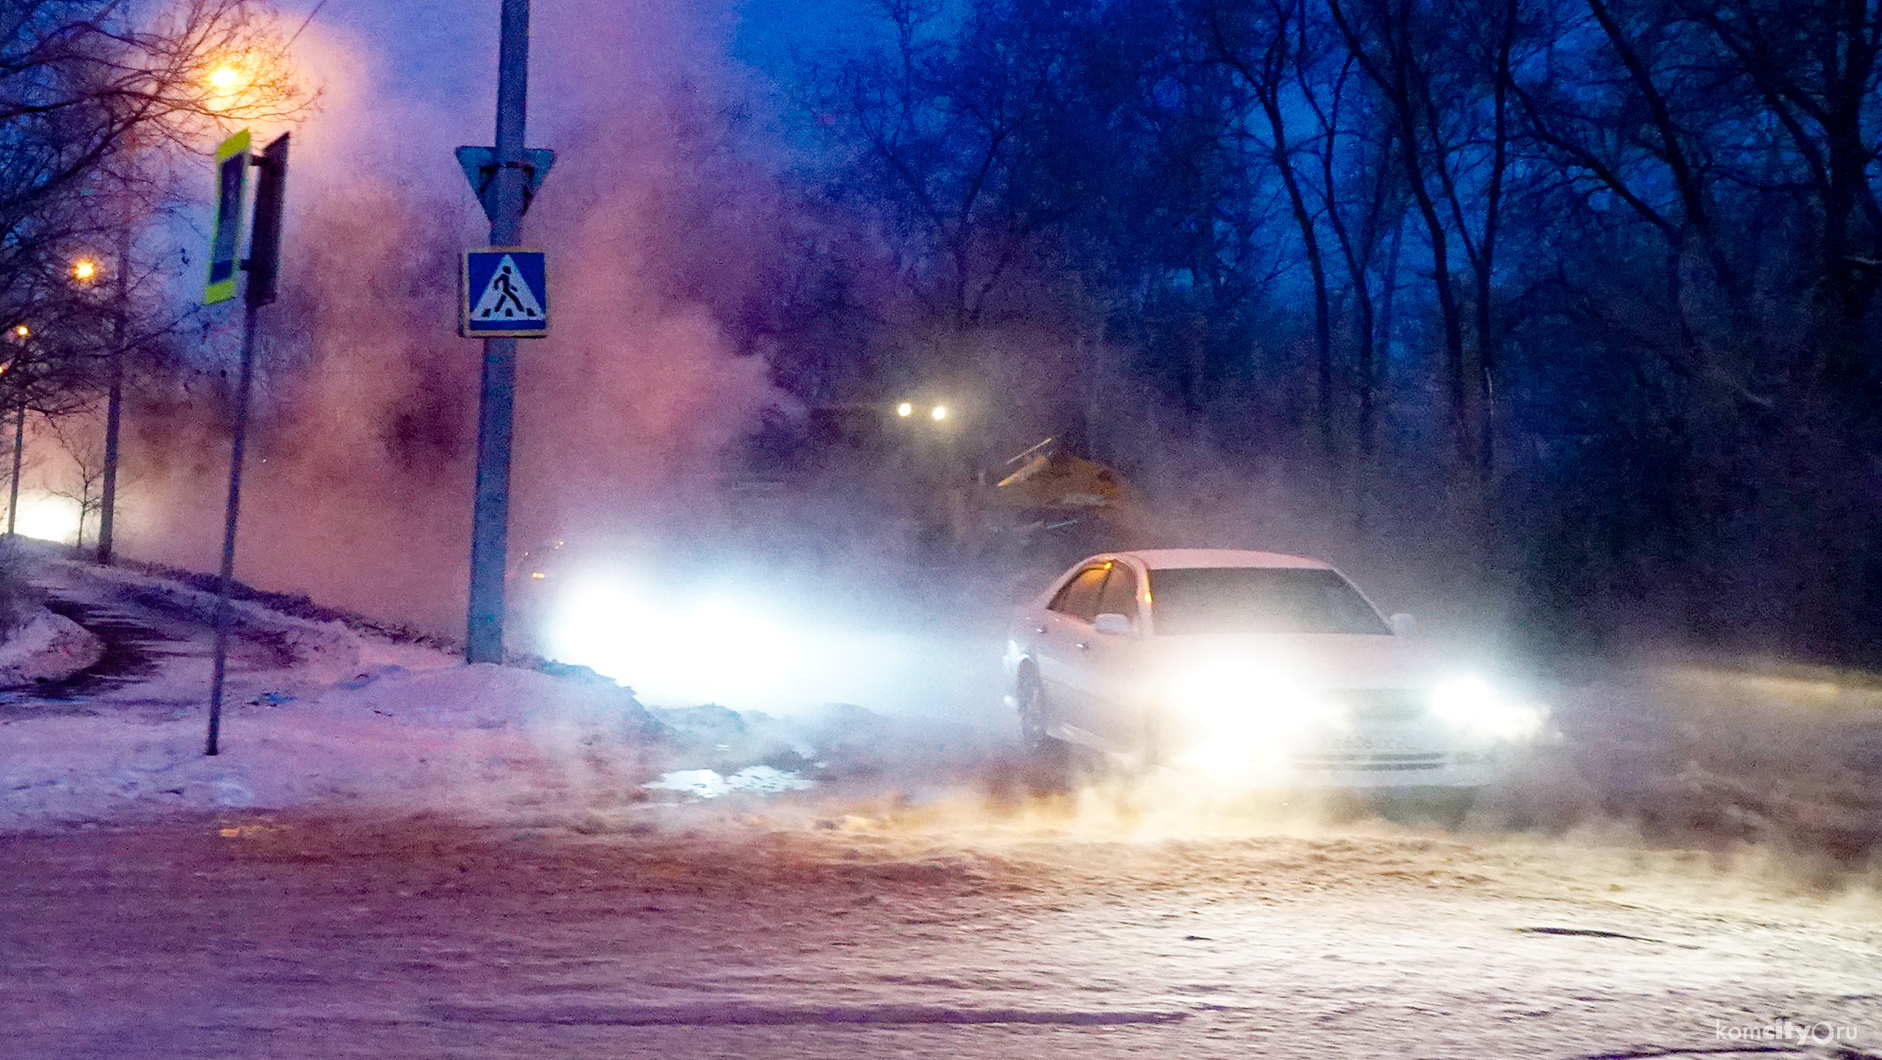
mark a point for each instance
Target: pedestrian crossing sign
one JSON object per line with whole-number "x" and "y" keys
{"x": 504, "y": 294}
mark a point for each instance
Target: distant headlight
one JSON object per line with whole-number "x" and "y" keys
{"x": 1476, "y": 709}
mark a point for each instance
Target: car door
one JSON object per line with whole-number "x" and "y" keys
{"x": 1111, "y": 664}
{"x": 1063, "y": 626}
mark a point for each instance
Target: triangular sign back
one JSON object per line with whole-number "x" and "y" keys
{"x": 480, "y": 168}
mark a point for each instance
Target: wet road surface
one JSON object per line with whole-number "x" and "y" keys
{"x": 309, "y": 937}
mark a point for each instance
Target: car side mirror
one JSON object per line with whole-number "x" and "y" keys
{"x": 1112, "y": 625}
{"x": 1403, "y": 623}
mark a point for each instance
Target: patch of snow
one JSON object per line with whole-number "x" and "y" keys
{"x": 482, "y": 741}
{"x": 709, "y": 784}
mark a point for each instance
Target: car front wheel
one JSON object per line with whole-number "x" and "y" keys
{"x": 1032, "y": 717}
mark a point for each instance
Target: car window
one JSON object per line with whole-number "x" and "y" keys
{"x": 1120, "y": 593}
{"x": 1079, "y": 598}
{"x": 1259, "y": 600}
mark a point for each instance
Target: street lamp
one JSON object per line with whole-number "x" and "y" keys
{"x": 84, "y": 270}
{"x": 226, "y": 82}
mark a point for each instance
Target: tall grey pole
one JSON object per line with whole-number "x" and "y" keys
{"x": 114, "y": 405}
{"x": 490, "y": 524}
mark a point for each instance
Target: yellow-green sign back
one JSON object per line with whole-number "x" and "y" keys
{"x": 225, "y": 244}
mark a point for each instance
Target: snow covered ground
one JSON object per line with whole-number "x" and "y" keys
{"x": 322, "y": 715}
{"x": 400, "y": 855}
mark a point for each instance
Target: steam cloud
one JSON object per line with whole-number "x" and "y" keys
{"x": 359, "y": 482}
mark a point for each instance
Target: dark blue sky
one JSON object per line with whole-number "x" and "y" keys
{"x": 444, "y": 51}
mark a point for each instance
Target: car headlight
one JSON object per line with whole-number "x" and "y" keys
{"x": 1478, "y": 710}
{"x": 1233, "y": 717}
{"x": 1228, "y": 692}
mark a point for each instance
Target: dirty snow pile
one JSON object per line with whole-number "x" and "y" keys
{"x": 47, "y": 647}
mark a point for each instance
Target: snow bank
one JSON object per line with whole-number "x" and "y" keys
{"x": 47, "y": 647}
{"x": 328, "y": 645}
{"x": 321, "y": 715}
{"x": 478, "y": 740}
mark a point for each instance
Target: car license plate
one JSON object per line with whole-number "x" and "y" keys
{"x": 1371, "y": 743}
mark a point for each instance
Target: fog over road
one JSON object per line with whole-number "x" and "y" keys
{"x": 401, "y": 856}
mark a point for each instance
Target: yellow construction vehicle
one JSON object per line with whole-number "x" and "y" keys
{"x": 1049, "y": 498}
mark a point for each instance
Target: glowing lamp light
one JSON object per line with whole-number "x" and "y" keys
{"x": 940, "y": 413}
{"x": 905, "y": 410}
{"x": 84, "y": 270}
{"x": 226, "y": 83}
{"x": 20, "y": 331}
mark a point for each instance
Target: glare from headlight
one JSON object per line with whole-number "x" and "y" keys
{"x": 1230, "y": 719}
{"x": 687, "y": 646}
{"x": 1472, "y": 706}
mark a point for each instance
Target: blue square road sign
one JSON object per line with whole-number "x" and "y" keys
{"x": 505, "y": 293}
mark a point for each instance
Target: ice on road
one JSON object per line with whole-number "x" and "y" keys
{"x": 721, "y": 936}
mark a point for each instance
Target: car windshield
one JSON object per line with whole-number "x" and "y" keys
{"x": 1200, "y": 600}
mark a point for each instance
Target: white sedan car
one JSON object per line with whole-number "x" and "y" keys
{"x": 1269, "y": 669}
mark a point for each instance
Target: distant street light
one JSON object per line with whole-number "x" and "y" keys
{"x": 20, "y": 331}
{"x": 905, "y": 410}
{"x": 940, "y": 413}
{"x": 84, "y": 270}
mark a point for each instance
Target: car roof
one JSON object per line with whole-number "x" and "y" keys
{"x": 1177, "y": 558}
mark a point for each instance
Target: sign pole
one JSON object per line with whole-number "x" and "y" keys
{"x": 490, "y": 524}
{"x": 244, "y": 382}
{"x": 263, "y": 265}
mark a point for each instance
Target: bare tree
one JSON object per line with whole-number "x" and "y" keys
{"x": 94, "y": 96}
{"x": 944, "y": 127}
{"x": 1391, "y": 42}
{"x": 1267, "y": 49}
{"x": 81, "y": 438}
